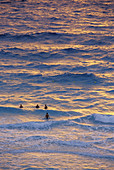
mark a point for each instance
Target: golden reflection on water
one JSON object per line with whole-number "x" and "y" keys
{"x": 72, "y": 19}
{"x": 84, "y": 25}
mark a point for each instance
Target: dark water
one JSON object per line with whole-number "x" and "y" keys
{"x": 58, "y": 53}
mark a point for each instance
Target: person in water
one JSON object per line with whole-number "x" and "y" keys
{"x": 21, "y": 106}
{"x": 47, "y": 116}
{"x": 37, "y": 106}
{"x": 45, "y": 107}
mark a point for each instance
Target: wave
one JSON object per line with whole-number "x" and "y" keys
{"x": 83, "y": 122}
{"x": 98, "y": 118}
{"x": 32, "y": 138}
{"x": 94, "y": 122}
{"x": 42, "y": 37}
{"x": 96, "y": 42}
{"x": 107, "y": 119}
{"x": 35, "y": 149}
{"x": 78, "y": 79}
{"x": 83, "y": 79}
{"x": 56, "y": 113}
{"x": 72, "y": 50}
{"x": 11, "y": 110}
{"x": 110, "y": 91}
{"x": 32, "y": 35}
{"x": 5, "y": 2}
{"x": 61, "y": 38}
{"x": 34, "y": 125}
{"x": 76, "y": 143}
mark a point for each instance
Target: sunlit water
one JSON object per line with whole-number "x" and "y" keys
{"x": 58, "y": 53}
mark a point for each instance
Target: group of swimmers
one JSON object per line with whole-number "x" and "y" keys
{"x": 37, "y": 106}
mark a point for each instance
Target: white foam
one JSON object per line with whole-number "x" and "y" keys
{"x": 104, "y": 118}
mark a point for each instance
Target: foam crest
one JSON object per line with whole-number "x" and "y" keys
{"x": 98, "y": 118}
{"x": 104, "y": 118}
{"x": 34, "y": 125}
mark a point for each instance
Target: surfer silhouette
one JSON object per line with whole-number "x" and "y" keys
{"x": 45, "y": 107}
{"x": 21, "y": 106}
{"x": 37, "y": 106}
{"x": 47, "y": 116}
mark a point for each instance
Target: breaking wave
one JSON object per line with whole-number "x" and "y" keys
{"x": 98, "y": 118}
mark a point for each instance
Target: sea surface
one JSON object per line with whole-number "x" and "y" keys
{"x": 59, "y": 53}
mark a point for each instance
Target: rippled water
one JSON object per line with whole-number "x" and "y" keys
{"x": 58, "y": 53}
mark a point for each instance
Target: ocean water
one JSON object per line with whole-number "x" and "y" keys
{"x": 59, "y": 53}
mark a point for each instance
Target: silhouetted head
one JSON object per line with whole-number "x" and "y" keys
{"x": 45, "y": 107}
{"x": 37, "y": 106}
{"x": 47, "y": 116}
{"x": 21, "y": 106}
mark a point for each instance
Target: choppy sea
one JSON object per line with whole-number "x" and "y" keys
{"x": 59, "y": 53}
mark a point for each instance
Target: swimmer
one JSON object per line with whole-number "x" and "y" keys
{"x": 47, "y": 116}
{"x": 37, "y": 106}
{"x": 21, "y": 106}
{"x": 45, "y": 107}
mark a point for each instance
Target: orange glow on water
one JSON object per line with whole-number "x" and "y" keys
{"x": 58, "y": 53}
{"x": 80, "y": 23}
